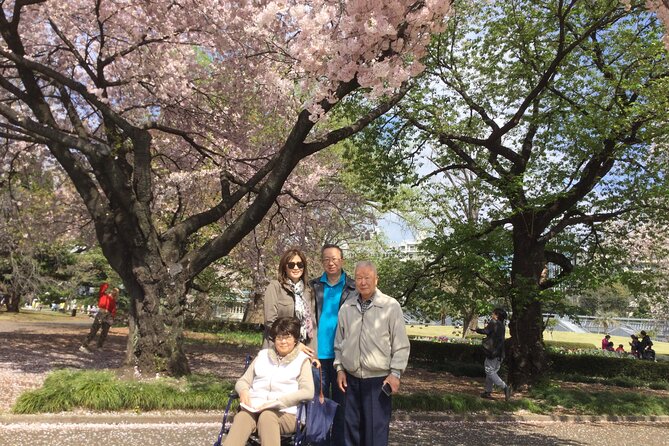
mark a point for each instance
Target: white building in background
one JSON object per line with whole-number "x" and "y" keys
{"x": 409, "y": 249}
{"x": 231, "y": 310}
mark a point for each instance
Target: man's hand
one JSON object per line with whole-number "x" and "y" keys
{"x": 341, "y": 380}
{"x": 394, "y": 382}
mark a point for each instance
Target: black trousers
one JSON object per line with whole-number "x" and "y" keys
{"x": 366, "y": 412}
{"x": 103, "y": 320}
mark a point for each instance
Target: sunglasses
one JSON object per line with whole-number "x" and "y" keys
{"x": 293, "y": 265}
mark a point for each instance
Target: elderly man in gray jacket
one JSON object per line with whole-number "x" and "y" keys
{"x": 371, "y": 353}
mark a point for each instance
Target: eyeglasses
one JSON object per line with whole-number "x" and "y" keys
{"x": 293, "y": 265}
{"x": 330, "y": 260}
{"x": 283, "y": 337}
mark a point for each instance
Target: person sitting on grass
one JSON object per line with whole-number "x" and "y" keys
{"x": 274, "y": 383}
{"x": 634, "y": 346}
{"x": 620, "y": 349}
{"x": 646, "y": 347}
{"x": 605, "y": 342}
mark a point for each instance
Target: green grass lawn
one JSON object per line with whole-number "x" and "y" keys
{"x": 46, "y": 315}
{"x": 661, "y": 348}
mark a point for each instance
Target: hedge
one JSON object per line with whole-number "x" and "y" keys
{"x": 439, "y": 353}
{"x": 609, "y": 367}
{"x": 217, "y": 326}
{"x": 455, "y": 356}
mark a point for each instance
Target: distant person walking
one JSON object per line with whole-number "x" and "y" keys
{"x": 104, "y": 318}
{"x": 493, "y": 345}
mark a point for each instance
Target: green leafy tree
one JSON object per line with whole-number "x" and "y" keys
{"x": 559, "y": 110}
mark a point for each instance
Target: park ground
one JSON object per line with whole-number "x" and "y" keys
{"x": 34, "y": 344}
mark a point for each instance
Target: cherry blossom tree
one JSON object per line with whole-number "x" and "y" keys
{"x": 40, "y": 218}
{"x": 142, "y": 99}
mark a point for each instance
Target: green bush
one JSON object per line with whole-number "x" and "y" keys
{"x": 570, "y": 345}
{"x": 66, "y": 390}
{"x": 441, "y": 352}
{"x": 627, "y": 371}
{"x": 608, "y": 367}
{"x": 217, "y": 326}
{"x": 457, "y": 368}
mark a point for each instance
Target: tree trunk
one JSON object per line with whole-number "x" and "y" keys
{"x": 156, "y": 309}
{"x": 254, "y": 313}
{"x": 155, "y": 335}
{"x": 469, "y": 322}
{"x": 527, "y": 358}
{"x": 13, "y": 302}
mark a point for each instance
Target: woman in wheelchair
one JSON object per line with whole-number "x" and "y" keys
{"x": 277, "y": 380}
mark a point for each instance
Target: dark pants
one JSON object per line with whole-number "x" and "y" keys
{"x": 367, "y": 412}
{"x": 103, "y": 319}
{"x": 331, "y": 390}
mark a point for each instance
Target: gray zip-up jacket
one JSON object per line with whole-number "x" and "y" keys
{"x": 374, "y": 343}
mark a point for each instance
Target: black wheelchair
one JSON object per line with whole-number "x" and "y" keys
{"x": 296, "y": 438}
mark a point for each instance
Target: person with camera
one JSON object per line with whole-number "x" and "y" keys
{"x": 103, "y": 319}
{"x": 371, "y": 353}
{"x": 493, "y": 346}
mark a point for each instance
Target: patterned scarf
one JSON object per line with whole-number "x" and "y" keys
{"x": 302, "y": 312}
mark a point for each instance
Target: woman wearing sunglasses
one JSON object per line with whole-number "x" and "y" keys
{"x": 290, "y": 296}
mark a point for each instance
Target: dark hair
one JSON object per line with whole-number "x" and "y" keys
{"x": 285, "y": 258}
{"x": 501, "y": 314}
{"x": 332, "y": 245}
{"x": 283, "y": 326}
{"x": 607, "y": 336}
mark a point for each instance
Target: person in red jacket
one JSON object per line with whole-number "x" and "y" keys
{"x": 104, "y": 318}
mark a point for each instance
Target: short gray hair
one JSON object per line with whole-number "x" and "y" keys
{"x": 366, "y": 264}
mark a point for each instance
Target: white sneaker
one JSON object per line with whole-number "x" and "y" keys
{"x": 84, "y": 349}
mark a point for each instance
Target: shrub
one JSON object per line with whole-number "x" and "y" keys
{"x": 64, "y": 390}
{"x": 564, "y": 345}
{"x": 569, "y": 358}
{"x": 217, "y": 326}
{"x": 441, "y": 352}
{"x": 608, "y": 366}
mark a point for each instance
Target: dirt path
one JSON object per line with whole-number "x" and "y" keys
{"x": 30, "y": 350}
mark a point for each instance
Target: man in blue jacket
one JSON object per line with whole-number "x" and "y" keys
{"x": 331, "y": 290}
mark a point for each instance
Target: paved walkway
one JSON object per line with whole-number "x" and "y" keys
{"x": 198, "y": 429}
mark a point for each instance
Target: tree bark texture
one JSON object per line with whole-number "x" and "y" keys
{"x": 527, "y": 357}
